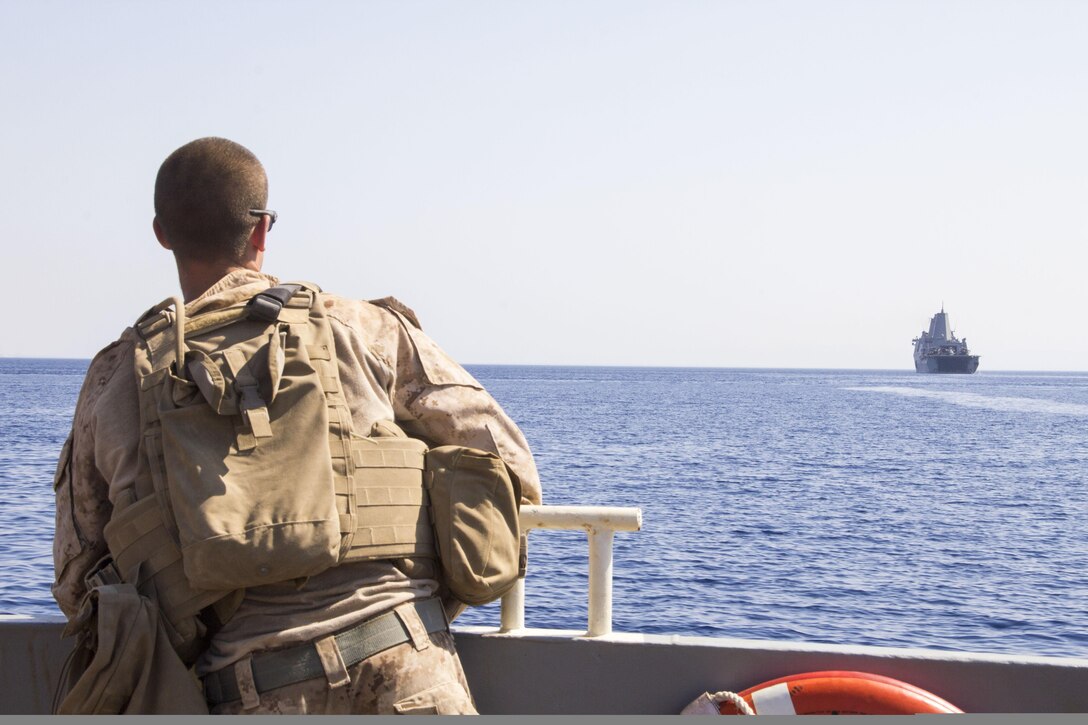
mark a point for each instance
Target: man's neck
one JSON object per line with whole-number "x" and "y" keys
{"x": 196, "y": 278}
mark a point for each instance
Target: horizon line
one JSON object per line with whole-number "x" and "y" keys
{"x": 665, "y": 367}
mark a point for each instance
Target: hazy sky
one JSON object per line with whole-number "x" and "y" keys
{"x": 733, "y": 184}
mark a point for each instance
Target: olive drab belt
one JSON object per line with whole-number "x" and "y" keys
{"x": 279, "y": 668}
{"x": 250, "y": 470}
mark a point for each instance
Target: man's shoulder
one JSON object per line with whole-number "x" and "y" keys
{"x": 368, "y": 313}
{"x": 104, "y": 365}
{"x": 394, "y": 305}
{"x": 111, "y": 356}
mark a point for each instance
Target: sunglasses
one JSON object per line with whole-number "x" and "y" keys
{"x": 272, "y": 216}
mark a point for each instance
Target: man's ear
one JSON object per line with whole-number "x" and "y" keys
{"x": 260, "y": 232}
{"x": 159, "y": 233}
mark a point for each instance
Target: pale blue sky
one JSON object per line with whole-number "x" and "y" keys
{"x": 763, "y": 184}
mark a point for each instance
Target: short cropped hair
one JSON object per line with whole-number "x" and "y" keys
{"x": 203, "y": 194}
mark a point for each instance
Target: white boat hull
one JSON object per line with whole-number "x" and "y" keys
{"x": 564, "y": 672}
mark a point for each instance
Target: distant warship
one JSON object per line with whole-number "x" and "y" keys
{"x": 938, "y": 351}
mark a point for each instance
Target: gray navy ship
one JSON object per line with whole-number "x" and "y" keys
{"x": 938, "y": 351}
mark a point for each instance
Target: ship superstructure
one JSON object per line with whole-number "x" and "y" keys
{"x": 939, "y": 351}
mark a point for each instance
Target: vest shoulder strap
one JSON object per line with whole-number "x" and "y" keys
{"x": 268, "y": 304}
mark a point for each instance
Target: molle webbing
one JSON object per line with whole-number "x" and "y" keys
{"x": 390, "y": 501}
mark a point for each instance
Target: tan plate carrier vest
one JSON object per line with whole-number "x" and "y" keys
{"x": 250, "y": 472}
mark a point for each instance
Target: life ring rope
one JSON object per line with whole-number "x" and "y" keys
{"x": 738, "y": 702}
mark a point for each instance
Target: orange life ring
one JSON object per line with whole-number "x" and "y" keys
{"x": 838, "y": 692}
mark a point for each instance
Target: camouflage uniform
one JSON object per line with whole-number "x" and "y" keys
{"x": 390, "y": 370}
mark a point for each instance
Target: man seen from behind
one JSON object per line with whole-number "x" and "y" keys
{"x": 337, "y": 397}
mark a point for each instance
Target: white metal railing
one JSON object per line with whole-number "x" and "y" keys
{"x": 599, "y": 522}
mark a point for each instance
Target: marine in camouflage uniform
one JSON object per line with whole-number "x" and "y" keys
{"x": 390, "y": 370}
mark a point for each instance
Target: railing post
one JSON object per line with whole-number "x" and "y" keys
{"x": 513, "y": 608}
{"x": 600, "y": 582}
{"x": 600, "y": 523}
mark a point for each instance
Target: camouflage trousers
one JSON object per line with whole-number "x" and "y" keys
{"x": 400, "y": 680}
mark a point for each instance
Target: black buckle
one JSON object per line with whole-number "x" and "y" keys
{"x": 265, "y": 306}
{"x": 103, "y": 573}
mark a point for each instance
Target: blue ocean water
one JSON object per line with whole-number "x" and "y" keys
{"x": 841, "y": 506}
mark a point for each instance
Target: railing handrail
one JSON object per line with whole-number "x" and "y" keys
{"x": 599, "y": 523}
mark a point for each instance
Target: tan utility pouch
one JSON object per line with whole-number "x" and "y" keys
{"x": 475, "y": 499}
{"x": 133, "y": 668}
{"x": 141, "y": 546}
{"x": 245, "y": 448}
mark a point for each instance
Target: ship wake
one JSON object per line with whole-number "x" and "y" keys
{"x": 974, "y": 400}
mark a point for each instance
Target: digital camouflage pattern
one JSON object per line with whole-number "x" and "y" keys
{"x": 389, "y": 370}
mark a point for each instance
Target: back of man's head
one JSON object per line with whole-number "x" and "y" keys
{"x": 203, "y": 194}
